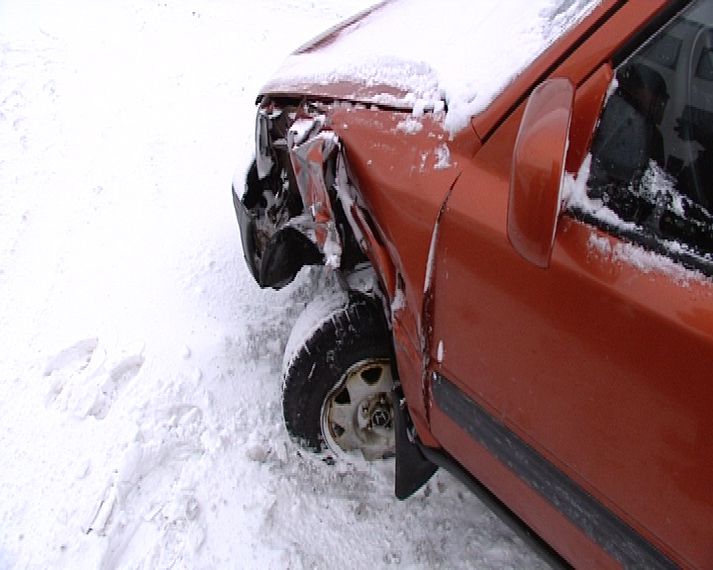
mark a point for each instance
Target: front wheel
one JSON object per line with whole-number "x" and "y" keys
{"x": 338, "y": 381}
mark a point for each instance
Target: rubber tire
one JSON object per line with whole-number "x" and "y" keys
{"x": 354, "y": 333}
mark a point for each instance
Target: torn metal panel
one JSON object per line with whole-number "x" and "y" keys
{"x": 288, "y": 205}
{"x": 309, "y": 161}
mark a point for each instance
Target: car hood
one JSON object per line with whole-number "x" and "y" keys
{"x": 411, "y": 55}
{"x": 313, "y": 69}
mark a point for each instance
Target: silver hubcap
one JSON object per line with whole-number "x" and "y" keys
{"x": 358, "y": 415}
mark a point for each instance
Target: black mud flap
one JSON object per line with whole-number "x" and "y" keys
{"x": 413, "y": 470}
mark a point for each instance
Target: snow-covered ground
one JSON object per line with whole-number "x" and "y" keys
{"x": 140, "y": 417}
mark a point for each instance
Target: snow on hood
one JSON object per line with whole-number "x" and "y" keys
{"x": 417, "y": 53}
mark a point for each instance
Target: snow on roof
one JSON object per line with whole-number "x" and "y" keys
{"x": 463, "y": 51}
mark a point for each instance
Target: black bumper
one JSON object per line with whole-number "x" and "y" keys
{"x": 247, "y": 235}
{"x": 283, "y": 256}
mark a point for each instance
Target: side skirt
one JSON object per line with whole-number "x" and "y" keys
{"x": 597, "y": 522}
{"x": 499, "y": 509}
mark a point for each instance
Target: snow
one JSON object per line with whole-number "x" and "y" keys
{"x": 315, "y": 314}
{"x": 463, "y": 52}
{"x": 140, "y": 415}
{"x": 574, "y": 195}
{"x": 431, "y": 261}
{"x": 410, "y": 126}
{"x": 443, "y": 157}
{"x": 399, "y": 301}
{"x": 655, "y": 181}
{"x": 644, "y": 261}
{"x": 301, "y": 129}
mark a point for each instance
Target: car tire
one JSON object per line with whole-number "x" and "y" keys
{"x": 338, "y": 381}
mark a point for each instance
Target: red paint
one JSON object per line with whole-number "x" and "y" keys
{"x": 537, "y": 170}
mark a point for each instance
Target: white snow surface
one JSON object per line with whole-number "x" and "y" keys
{"x": 140, "y": 415}
{"x": 463, "y": 51}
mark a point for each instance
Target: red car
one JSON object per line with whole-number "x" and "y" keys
{"x": 522, "y": 282}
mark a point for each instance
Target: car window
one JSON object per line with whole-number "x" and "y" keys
{"x": 652, "y": 153}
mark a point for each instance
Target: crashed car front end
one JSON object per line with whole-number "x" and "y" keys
{"x": 290, "y": 212}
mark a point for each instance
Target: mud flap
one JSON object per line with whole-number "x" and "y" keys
{"x": 413, "y": 470}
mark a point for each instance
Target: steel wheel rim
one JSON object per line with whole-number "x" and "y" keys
{"x": 357, "y": 414}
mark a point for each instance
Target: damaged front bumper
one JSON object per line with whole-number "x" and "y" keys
{"x": 246, "y": 224}
{"x": 290, "y": 213}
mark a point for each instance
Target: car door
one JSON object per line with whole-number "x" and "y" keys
{"x": 581, "y": 394}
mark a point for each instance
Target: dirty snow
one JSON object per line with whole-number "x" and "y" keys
{"x": 140, "y": 417}
{"x": 465, "y": 53}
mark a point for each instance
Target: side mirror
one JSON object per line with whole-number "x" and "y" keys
{"x": 538, "y": 170}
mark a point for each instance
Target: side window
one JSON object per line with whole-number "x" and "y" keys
{"x": 652, "y": 154}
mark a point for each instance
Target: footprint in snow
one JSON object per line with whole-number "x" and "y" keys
{"x": 112, "y": 382}
{"x": 86, "y": 382}
{"x": 76, "y": 357}
{"x": 148, "y": 514}
{"x": 68, "y": 363}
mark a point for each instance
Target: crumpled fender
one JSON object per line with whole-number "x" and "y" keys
{"x": 308, "y": 162}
